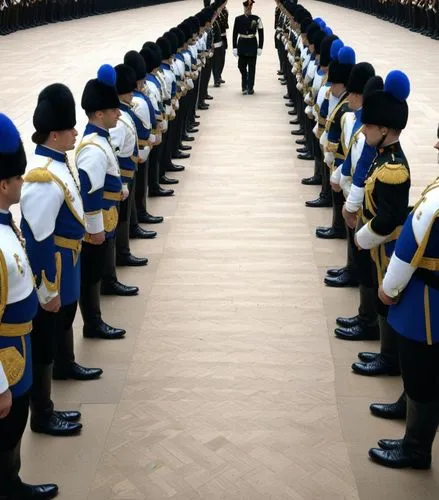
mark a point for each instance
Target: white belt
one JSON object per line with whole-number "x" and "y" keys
{"x": 218, "y": 44}
{"x": 247, "y": 36}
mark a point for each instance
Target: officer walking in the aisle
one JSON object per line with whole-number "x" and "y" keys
{"x": 248, "y": 42}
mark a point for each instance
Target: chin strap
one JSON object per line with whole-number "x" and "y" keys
{"x": 382, "y": 141}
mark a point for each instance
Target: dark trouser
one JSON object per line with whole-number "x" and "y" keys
{"x": 247, "y": 67}
{"x": 153, "y": 174}
{"x": 92, "y": 268}
{"x": 141, "y": 186}
{"x": 204, "y": 79}
{"x": 11, "y": 431}
{"x": 223, "y": 56}
{"x": 217, "y": 63}
{"x": 52, "y": 340}
{"x": 420, "y": 369}
{"x": 123, "y": 225}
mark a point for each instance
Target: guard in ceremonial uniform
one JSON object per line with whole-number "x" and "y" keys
{"x": 384, "y": 115}
{"x": 248, "y": 42}
{"x": 353, "y": 143}
{"x": 411, "y": 289}
{"x": 101, "y": 191}
{"x": 53, "y": 227}
{"x": 125, "y": 141}
{"x": 18, "y": 306}
{"x": 334, "y": 152}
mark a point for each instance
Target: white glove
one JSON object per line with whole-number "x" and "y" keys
{"x": 235, "y": 52}
{"x": 125, "y": 191}
{"x": 259, "y": 52}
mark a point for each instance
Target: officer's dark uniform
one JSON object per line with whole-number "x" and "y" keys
{"x": 248, "y": 37}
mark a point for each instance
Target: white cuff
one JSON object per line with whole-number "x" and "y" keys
{"x": 335, "y": 176}
{"x": 355, "y": 199}
{"x": 45, "y": 295}
{"x": 144, "y": 153}
{"x": 329, "y": 159}
{"x": 4, "y": 384}
{"x": 397, "y": 276}
{"x": 367, "y": 238}
{"x": 94, "y": 222}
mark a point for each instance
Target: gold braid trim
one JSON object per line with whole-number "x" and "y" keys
{"x": 423, "y": 244}
{"x": 55, "y": 286}
{"x": 392, "y": 174}
{"x": 331, "y": 147}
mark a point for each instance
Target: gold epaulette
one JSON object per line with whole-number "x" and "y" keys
{"x": 393, "y": 173}
{"x": 38, "y": 175}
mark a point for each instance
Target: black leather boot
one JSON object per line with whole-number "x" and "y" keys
{"x": 11, "y": 486}
{"x": 337, "y": 230}
{"x": 44, "y": 419}
{"x": 415, "y": 449}
{"x": 325, "y": 198}
{"x": 387, "y": 362}
{"x": 65, "y": 366}
{"x": 390, "y": 411}
{"x": 364, "y": 326}
{"x": 146, "y": 218}
{"x": 90, "y": 306}
{"x": 110, "y": 284}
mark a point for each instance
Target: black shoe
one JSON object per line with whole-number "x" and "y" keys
{"x": 295, "y": 122}
{"x": 194, "y": 124}
{"x": 283, "y": 82}
{"x": 180, "y": 156}
{"x": 196, "y": 117}
{"x": 251, "y": 92}
{"x": 208, "y": 97}
{"x": 138, "y": 233}
{"x": 203, "y": 106}
{"x": 337, "y": 272}
{"x": 52, "y": 425}
{"x": 146, "y": 218}
{"x": 368, "y": 357}
{"x": 391, "y": 411}
{"x": 380, "y": 366}
{"x": 244, "y": 91}
{"x": 320, "y": 202}
{"x": 217, "y": 84}
{"x": 342, "y": 280}
{"x": 152, "y": 193}
{"x": 390, "y": 444}
{"x": 130, "y": 261}
{"x": 187, "y": 138}
{"x": 286, "y": 96}
{"x": 306, "y": 156}
{"x": 279, "y": 72}
{"x": 184, "y": 147}
{"x": 69, "y": 416}
{"x": 192, "y": 130}
{"x": 75, "y": 372}
{"x": 175, "y": 168}
{"x": 301, "y": 142}
{"x": 304, "y": 150}
{"x": 315, "y": 180}
{"x": 292, "y": 112}
{"x": 299, "y": 131}
{"x": 168, "y": 180}
{"x": 400, "y": 458}
{"x": 34, "y": 492}
{"x": 102, "y": 331}
{"x": 329, "y": 233}
{"x": 222, "y": 81}
{"x": 290, "y": 104}
{"x": 119, "y": 289}
{"x": 358, "y": 332}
